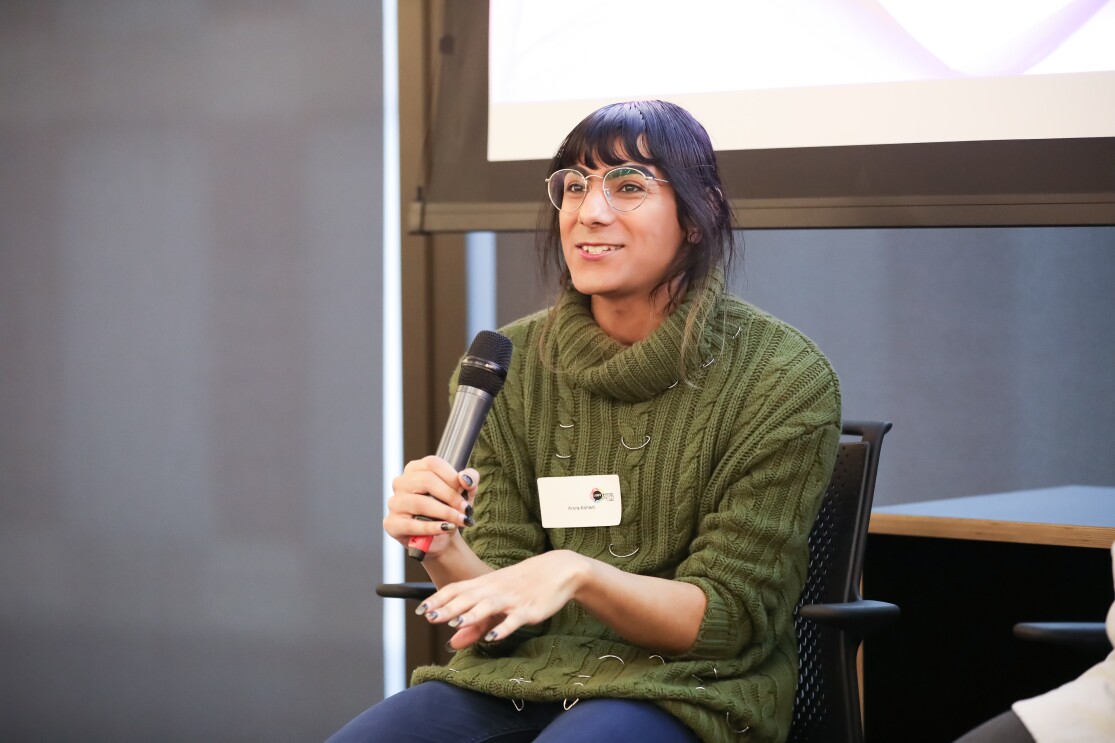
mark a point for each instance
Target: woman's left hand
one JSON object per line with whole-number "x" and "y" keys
{"x": 496, "y": 604}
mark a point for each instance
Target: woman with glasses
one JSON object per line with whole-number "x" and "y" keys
{"x": 643, "y": 487}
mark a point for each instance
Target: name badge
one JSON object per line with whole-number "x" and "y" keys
{"x": 584, "y": 500}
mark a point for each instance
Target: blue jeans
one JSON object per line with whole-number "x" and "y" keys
{"x": 436, "y": 712}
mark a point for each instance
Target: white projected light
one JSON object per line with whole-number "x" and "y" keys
{"x": 806, "y": 73}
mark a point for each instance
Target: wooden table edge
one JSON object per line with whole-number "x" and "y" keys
{"x": 1064, "y": 535}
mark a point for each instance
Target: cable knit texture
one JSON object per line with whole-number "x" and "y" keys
{"x": 721, "y": 493}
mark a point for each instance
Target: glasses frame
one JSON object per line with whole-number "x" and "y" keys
{"x": 607, "y": 192}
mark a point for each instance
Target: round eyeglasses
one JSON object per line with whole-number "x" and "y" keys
{"x": 625, "y": 188}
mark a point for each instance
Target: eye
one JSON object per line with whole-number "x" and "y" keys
{"x": 626, "y": 182}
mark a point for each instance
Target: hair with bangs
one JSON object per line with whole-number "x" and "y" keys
{"x": 667, "y": 137}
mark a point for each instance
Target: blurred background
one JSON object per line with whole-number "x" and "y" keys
{"x": 192, "y": 321}
{"x": 190, "y": 368}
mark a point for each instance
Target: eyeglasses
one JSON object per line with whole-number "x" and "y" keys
{"x": 625, "y": 188}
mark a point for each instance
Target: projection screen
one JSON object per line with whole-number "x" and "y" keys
{"x": 826, "y": 113}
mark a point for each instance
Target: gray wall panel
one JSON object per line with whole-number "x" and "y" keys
{"x": 190, "y": 335}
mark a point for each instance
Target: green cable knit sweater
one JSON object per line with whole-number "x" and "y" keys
{"x": 721, "y": 476}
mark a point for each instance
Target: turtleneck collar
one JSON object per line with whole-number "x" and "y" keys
{"x": 644, "y": 369}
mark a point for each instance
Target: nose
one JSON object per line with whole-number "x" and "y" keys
{"x": 595, "y": 209}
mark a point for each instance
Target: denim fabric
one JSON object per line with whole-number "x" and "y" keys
{"x": 436, "y": 712}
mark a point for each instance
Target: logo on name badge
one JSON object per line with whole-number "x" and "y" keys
{"x": 599, "y": 495}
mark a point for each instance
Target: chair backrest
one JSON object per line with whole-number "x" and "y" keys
{"x": 826, "y": 706}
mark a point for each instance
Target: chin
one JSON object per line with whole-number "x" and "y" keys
{"x": 589, "y": 287}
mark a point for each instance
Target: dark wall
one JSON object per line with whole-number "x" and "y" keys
{"x": 190, "y": 368}
{"x": 991, "y": 349}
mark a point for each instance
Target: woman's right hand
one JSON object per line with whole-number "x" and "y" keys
{"x": 430, "y": 487}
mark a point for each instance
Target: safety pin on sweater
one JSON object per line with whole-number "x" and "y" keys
{"x": 728, "y": 717}
{"x": 565, "y": 702}
{"x": 613, "y": 553}
{"x": 635, "y": 448}
{"x": 519, "y": 703}
{"x": 701, "y": 685}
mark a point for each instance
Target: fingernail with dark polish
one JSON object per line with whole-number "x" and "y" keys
{"x": 421, "y": 609}
{"x": 469, "y": 521}
{"x": 456, "y": 621}
{"x": 446, "y": 526}
{"x": 491, "y": 636}
{"x": 468, "y": 510}
{"x": 467, "y": 479}
{"x": 431, "y": 615}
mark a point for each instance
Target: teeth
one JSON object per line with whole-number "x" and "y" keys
{"x": 597, "y": 249}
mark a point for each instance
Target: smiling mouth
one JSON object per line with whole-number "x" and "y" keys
{"x": 598, "y": 249}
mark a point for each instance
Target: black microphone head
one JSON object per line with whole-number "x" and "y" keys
{"x": 485, "y": 365}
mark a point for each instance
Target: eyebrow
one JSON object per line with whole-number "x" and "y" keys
{"x": 645, "y": 170}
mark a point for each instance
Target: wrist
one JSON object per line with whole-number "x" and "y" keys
{"x": 445, "y": 556}
{"x": 582, "y": 573}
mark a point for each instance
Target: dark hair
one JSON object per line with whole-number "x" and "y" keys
{"x": 666, "y": 136}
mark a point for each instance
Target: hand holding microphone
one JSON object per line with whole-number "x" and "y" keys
{"x": 482, "y": 374}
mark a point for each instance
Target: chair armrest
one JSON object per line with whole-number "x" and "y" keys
{"x": 1090, "y": 635}
{"x": 862, "y": 617}
{"x": 416, "y": 591}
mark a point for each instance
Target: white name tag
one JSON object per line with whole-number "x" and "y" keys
{"x": 585, "y": 500}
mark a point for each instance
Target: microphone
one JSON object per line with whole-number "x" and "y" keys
{"x": 483, "y": 370}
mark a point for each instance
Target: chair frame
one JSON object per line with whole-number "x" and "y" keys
{"x": 1082, "y": 635}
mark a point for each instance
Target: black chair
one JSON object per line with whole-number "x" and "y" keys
{"x": 831, "y": 619}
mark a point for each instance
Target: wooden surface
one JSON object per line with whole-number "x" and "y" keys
{"x": 1068, "y": 516}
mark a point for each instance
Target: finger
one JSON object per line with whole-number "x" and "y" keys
{"x": 470, "y": 482}
{"x": 432, "y": 465}
{"x": 469, "y": 479}
{"x": 473, "y": 600}
{"x": 441, "y": 468}
{"x": 401, "y": 527}
{"x": 425, "y": 482}
{"x": 403, "y": 509}
{"x": 464, "y": 613}
{"x": 415, "y": 505}
{"x": 447, "y": 604}
{"x": 470, "y": 633}
{"x": 503, "y": 629}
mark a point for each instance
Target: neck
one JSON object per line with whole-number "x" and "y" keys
{"x": 628, "y": 320}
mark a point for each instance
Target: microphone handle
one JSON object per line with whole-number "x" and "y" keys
{"x": 466, "y": 418}
{"x": 470, "y": 408}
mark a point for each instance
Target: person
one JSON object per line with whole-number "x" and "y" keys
{"x": 721, "y": 423}
{"x": 1080, "y": 711}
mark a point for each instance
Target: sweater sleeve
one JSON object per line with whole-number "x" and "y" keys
{"x": 751, "y": 554}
